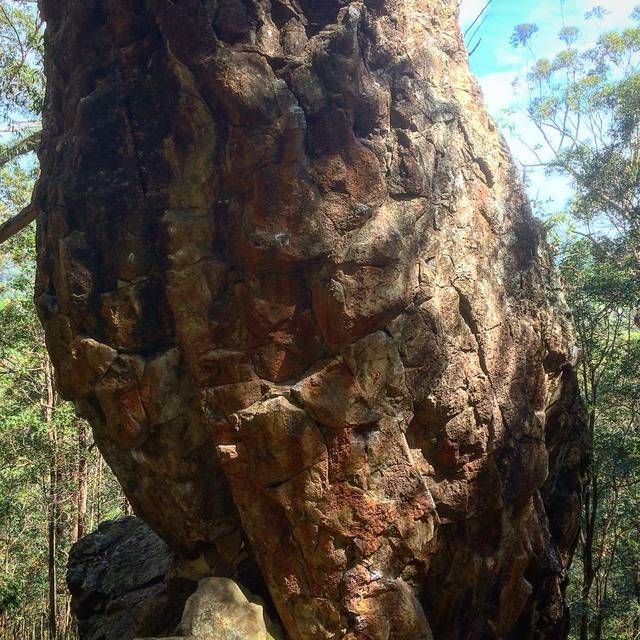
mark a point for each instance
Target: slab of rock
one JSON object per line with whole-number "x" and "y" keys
{"x": 116, "y": 579}
{"x": 219, "y": 610}
{"x": 124, "y": 583}
{"x": 287, "y": 269}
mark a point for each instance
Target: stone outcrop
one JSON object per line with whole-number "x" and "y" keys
{"x": 219, "y": 610}
{"x": 124, "y": 583}
{"x": 116, "y": 577}
{"x": 288, "y": 272}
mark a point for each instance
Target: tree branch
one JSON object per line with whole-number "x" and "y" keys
{"x": 30, "y": 143}
{"x": 486, "y": 6}
{"x": 16, "y": 224}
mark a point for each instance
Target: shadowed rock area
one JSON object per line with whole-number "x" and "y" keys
{"x": 116, "y": 577}
{"x": 288, "y": 272}
{"x": 125, "y": 583}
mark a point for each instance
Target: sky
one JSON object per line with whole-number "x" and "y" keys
{"x": 497, "y": 64}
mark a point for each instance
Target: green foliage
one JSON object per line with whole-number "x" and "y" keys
{"x": 31, "y": 447}
{"x": 602, "y": 294}
{"x": 21, "y": 77}
{"x": 523, "y": 33}
{"x": 585, "y": 106}
{"x": 598, "y": 13}
{"x": 40, "y": 446}
{"x": 569, "y": 35}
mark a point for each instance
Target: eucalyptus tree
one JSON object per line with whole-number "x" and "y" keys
{"x": 583, "y": 105}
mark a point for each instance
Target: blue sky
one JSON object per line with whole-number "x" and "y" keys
{"x": 496, "y": 60}
{"x": 497, "y": 64}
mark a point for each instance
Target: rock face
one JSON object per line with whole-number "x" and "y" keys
{"x": 116, "y": 576}
{"x": 125, "y": 583}
{"x": 219, "y": 610}
{"x": 288, "y": 272}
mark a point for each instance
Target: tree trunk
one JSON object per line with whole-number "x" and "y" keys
{"x": 54, "y": 507}
{"x": 588, "y": 573}
{"x": 288, "y": 272}
{"x": 591, "y": 513}
{"x": 81, "y": 500}
{"x": 98, "y": 490}
{"x": 636, "y": 591}
{"x": 14, "y": 225}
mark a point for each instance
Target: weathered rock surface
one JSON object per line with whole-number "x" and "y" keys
{"x": 219, "y": 610}
{"x": 116, "y": 577}
{"x": 125, "y": 583}
{"x": 288, "y": 272}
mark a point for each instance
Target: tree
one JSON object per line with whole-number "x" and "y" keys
{"x": 47, "y": 460}
{"x": 22, "y": 91}
{"x": 602, "y": 296}
{"x": 21, "y": 78}
{"x": 584, "y": 105}
{"x": 523, "y": 33}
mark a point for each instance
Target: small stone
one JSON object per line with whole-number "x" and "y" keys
{"x": 220, "y": 610}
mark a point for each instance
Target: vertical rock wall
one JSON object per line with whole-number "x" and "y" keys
{"x": 288, "y": 272}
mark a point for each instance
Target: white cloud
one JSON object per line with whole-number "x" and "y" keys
{"x": 498, "y": 89}
{"x": 469, "y": 10}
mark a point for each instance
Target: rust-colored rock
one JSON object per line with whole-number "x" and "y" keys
{"x": 287, "y": 270}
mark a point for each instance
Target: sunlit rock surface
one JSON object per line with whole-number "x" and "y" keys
{"x": 288, "y": 272}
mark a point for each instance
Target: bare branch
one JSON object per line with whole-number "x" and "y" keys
{"x": 486, "y": 6}
{"x": 474, "y": 48}
{"x": 16, "y": 224}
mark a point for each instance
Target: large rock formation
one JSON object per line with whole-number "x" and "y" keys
{"x": 288, "y": 272}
